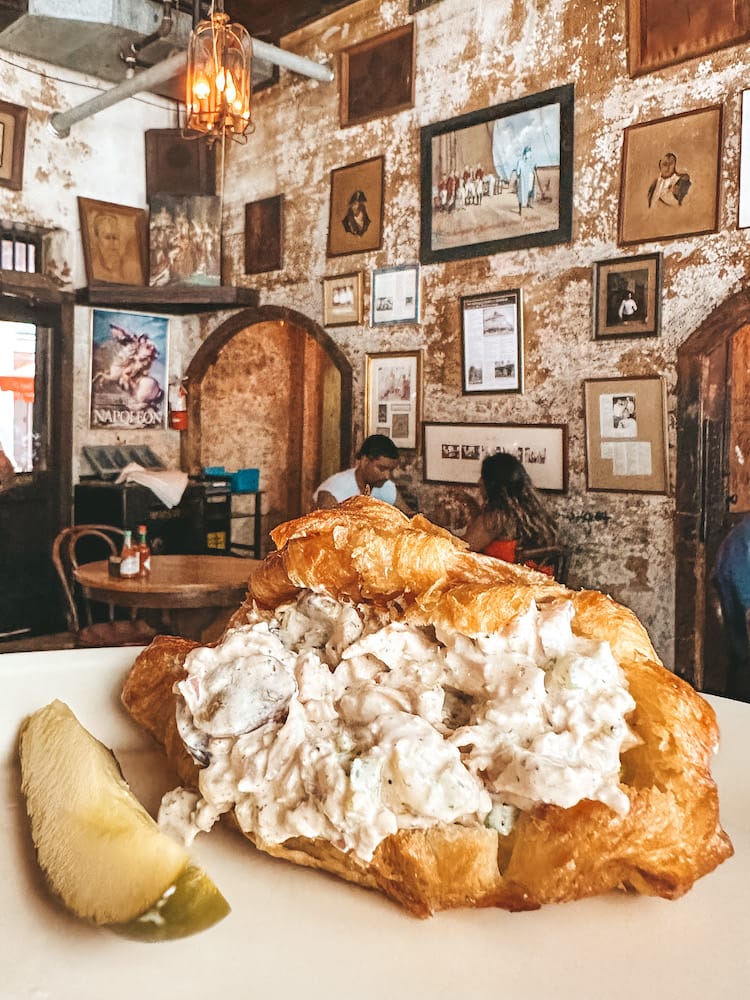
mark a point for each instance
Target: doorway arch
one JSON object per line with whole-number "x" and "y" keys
{"x": 269, "y": 388}
{"x": 713, "y": 479}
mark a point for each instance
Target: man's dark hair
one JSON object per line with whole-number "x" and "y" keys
{"x": 378, "y": 446}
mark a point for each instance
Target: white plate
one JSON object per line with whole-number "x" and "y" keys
{"x": 295, "y": 933}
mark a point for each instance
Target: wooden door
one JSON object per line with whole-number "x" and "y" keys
{"x": 32, "y": 512}
{"x": 713, "y": 481}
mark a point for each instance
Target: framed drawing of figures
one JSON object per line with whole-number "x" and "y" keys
{"x": 342, "y": 299}
{"x": 377, "y": 76}
{"x": 671, "y": 31}
{"x": 393, "y": 396}
{"x": 114, "y": 242}
{"x": 185, "y": 240}
{"x": 498, "y": 179}
{"x": 627, "y": 297}
{"x": 128, "y": 370}
{"x": 12, "y": 143}
{"x": 669, "y": 182}
{"x": 355, "y": 221}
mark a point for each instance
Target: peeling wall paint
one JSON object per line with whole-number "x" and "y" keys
{"x": 470, "y": 54}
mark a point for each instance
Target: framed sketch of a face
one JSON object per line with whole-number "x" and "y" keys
{"x": 114, "y": 242}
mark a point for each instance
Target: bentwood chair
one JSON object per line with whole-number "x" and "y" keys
{"x": 552, "y": 560}
{"x": 101, "y": 541}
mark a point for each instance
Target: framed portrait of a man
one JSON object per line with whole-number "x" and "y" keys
{"x": 669, "y": 182}
{"x": 356, "y": 208}
{"x": 115, "y": 242}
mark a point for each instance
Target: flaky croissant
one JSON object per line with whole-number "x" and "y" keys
{"x": 661, "y": 837}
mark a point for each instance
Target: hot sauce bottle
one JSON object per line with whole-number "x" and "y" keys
{"x": 129, "y": 557}
{"x": 144, "y": 552}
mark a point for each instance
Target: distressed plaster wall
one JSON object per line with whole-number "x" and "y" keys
{"x": 470, "y": 54}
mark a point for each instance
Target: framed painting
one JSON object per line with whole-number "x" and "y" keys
{"x": 395, "y": 295}
{"x": 671, "y": 31}
{"x": 12, "y": 144}
{"x": 129, "y": 366}
{"x": 498, "y": 179}
{"x": 393, "y": 396}
{"x": 377, "y": 76}
{"x": 492, "y": 343}
{"x": 355, "y": 222}
{"x": 185, "y": 240}
{"x": 669, "y": 182}
{"x": 176, "y": 165}
{"x": 626, "y": 434}
{"x": 114, "y": 241}
{"x": 743, "y": 215}
{"x": 342, "y": 299}
{"x": 627, "y": 297}
{"x": 264, "y": 229}
{"x": 453, "y": 453}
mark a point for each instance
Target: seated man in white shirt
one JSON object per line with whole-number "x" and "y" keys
{"x": 7, "y": 471}
{"x": 371, "y": 476}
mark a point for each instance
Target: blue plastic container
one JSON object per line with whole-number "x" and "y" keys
{"x": 245, "y": 480}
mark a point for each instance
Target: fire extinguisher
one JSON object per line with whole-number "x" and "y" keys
{"x": 178, "y": 416}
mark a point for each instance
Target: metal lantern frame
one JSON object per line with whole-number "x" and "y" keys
{"x": 219, "y": 77}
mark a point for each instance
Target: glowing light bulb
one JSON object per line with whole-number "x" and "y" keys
{"x": 220, "y": 80}
{"x": 231, "y": 90}
{"x": 201, "y": 87}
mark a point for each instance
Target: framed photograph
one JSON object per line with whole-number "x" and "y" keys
{"x": 12, "y": 144}
{"x": 377, "y": 76}
{"x": 671, "y": 31}
{"x": 393, "y": 396}
{"x": 355, "y": 222}
{"x": 395, "y": 295}
{"x": 743, "y": 220}
{"x": 176, "y": 165}
{"x": 626, "y": 435}
{"x": 453, "y": 453}
{"x": 115, "y": 242}
{"x": 498, "y": 179}
{"x": 128, "y": 370}
{"x": 492, "y": 343}
{"x": 627, "y": 297}
{"x": 669, "y": 182}
{"x": 264, "y": 229}
{"x": 185, "y": 240}
{"x": 342, "y": 299}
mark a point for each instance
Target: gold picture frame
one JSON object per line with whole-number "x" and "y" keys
{"x": 355, "y": 222}
{"x": 12, "y": 144}
{"x": 342, "y": 299}
{"x": 393, "y": 396}
{"x": 115, "y": 242}
{"x": 626, "y": 435}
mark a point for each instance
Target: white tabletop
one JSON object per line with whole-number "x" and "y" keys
{"x": 295, "y": 933}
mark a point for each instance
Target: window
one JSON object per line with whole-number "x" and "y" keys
{"x": 20, "y": 248}
{"x": 17, "y": 370}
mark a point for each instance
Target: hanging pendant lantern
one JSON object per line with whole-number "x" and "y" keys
{"x": 219, "y": 76}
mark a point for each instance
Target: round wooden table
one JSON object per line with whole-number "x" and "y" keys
{"x": 194, "y": 594}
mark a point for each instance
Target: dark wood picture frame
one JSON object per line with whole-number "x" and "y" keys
{"x": 179, "y": 166}
{"x": 454, "y": 452}
{"x": 670, "y": 177}
{"x": 522, "y": 197}
{"x": 115, "y": 242}
{"x": 672, "y": 31}
{"x": 377, "y": 76}
{"x": 492, "y": 343}
{"x": 13, "y": 119}
{"x": 264, "y": 235}
{"x": 627, "y": 297}
{"x": 626, "y": 434}
{"x": 355, "y": 222}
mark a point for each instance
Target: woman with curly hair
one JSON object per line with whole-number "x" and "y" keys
{"x": 513, "y": 517}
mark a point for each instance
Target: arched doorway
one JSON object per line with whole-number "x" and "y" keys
{"x": 713, "y": 479}
{"x": 269, "y": 389}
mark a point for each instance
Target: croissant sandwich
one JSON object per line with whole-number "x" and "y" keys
{"x": 445, "y": 727}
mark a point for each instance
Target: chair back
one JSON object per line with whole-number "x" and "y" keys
{"x": 552, "y": 559}
{"x": 65, "y": 560}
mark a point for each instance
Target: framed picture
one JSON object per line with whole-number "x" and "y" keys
{"x": 114, "y": 242}
{"x": 498, "y": 179}
{"x": 264, "y": 228}
{"x": 627, "y": 297}
{"x": 669, "y": 183}
{"x": 492, "y": 343}
{"x": 185, "y": 240}
{"x": 417, "y": 5}
{"x": 626, "y": 435}
{"x": 395, "y": 295}
{"x": 355, "y": 222}
{"x": 743, "y": 219}
{"x": 176, "y": 165}
{"x": 342, "y": 299}
{"x": 377, "y": 76}
{"x": 128, "y": 370}
{"x": 12, "y": 144}
{"x": 671, "y": 31}
{"x": 453, "y": 453}
{"x": 393, "y": 391}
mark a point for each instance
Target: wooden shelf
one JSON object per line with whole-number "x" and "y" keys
{"x": 176, "y": 299}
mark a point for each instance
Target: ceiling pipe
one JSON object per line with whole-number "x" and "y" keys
{"x": 60, "y": 123}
